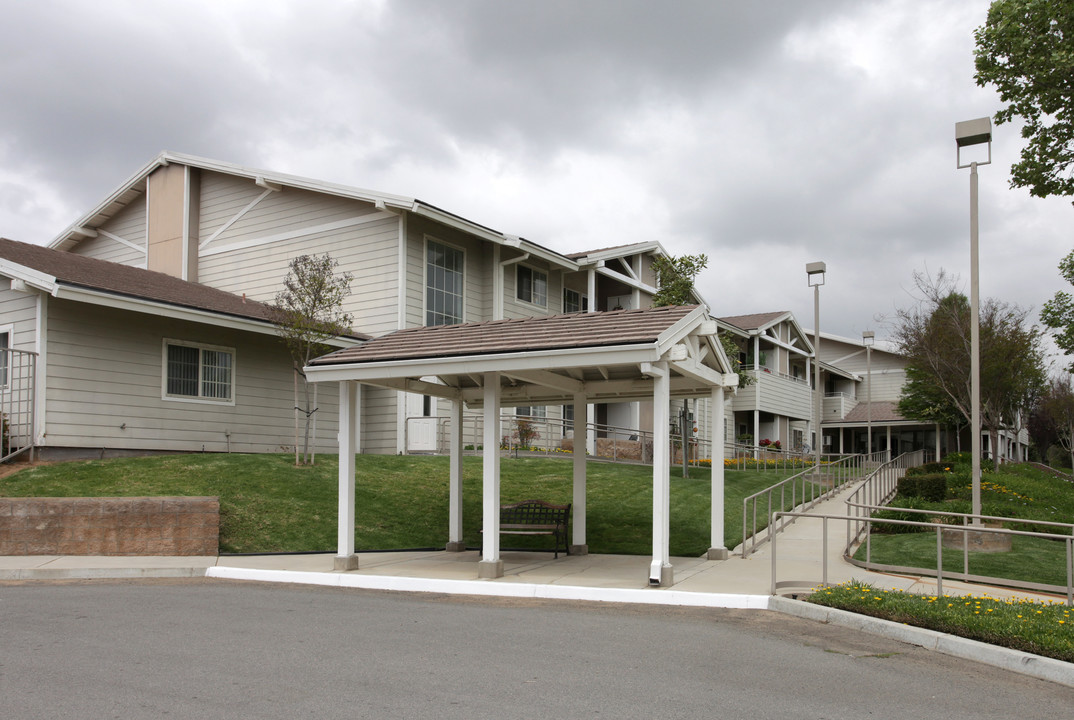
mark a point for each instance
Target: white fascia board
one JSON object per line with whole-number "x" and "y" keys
{"x": 732, "y": 329}
{"x": 626, "y": 280}
{"x": 139, "y": 176}
{"x": 149, "y": 307}
{"x": 681, "y": 329}
{"x": 31, "y": 277}
{"x": 697, "y": 371}
{"x": 625, "y": 251}
{"x": 470, "y": 364}
{"x": 554, "y": 259}
{"x": 296, "y": 181}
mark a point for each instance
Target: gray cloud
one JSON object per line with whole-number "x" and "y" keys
{"x": 764, "y": 134}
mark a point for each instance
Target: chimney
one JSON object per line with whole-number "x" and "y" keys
{"x": 173, "y": 209}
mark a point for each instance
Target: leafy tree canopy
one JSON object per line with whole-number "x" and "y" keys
{"x": 1026, "y": 49}
{"x": 675, "y": 278}
{"x": 1058, "y": 313}
{"x": 934, "y": 336}
{"x": 309, "y": 309}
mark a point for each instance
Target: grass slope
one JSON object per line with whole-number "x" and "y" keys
{"x": 269, "y": 505}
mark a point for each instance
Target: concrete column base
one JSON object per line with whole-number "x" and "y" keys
{"x": 579, "y": 549}
{"x": 717, "y": 553}
{"x": 490, "y": 569}
{"x": 455, "y": 546}
{"x": 664, "y": 577}
{"x": 341, "y": 563}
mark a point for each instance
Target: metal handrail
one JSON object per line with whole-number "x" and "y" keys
{"x": 805, "y": 492}
{"x": 18, "y": 405}
{"x": 939, "y": 573}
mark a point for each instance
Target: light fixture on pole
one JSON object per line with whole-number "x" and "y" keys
{"x": 969, "y": 133}
{"x": 815, "y": 278}
{"x": 867, "y": 339}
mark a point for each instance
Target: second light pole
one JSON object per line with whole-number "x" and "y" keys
{"x": 815, "y": 277}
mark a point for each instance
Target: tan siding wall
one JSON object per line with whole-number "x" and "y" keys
{"x": 778, "y": 395}
{"x": 378, "y": 420}
{"x": 515, "y": 308}
{"x": 105, "y": 372}
{"x": 477, "y": 295}
{"x": 129, "y": 224}
{"x": 19, "y": 309}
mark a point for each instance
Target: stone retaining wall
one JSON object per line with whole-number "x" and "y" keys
{"x": 110, "y": 526}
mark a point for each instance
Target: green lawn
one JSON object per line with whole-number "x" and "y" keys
{"x": 1015, "y": 491}
{"x": 269, "y": 505}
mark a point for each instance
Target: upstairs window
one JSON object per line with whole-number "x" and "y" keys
{"x": 532, "y": 286}
{"x": 443, "y": 284}
{"x": 574, "y": 301}
{"x": 197, "y": 372}
{"x": 5, "y": 343}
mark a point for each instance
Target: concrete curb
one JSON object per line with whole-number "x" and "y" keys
{"x": 100, "y": 573}
{"x": 653, "y": 596}
{"x": 1017, "y": 661}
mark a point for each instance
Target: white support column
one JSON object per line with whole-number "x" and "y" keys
{"x": 937, "y": 442}
{"x": 491, "y": 566}
{"x": 455, "y": 540}
{"x": 581, "y": 437}
{"x": 348, "y": 409}
{"x": 717, "y": 548}
{"x": 889, "y": 455}
{"x": 660, "y": 570}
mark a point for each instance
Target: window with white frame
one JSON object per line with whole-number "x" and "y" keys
{"x": 531, "y": 286}
{"x": 443, "y": 284}
{"x": 198, "y": 372}
{"x": 574, "y": 301}
{"x": 5, "y": 345}
{"x": 533, "y": 411}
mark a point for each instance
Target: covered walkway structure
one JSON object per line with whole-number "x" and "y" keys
{"x": 654, "y": 354}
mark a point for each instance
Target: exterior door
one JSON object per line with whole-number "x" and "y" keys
{"x": 421, "y": 423}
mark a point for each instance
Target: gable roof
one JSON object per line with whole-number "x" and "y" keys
{"x": 755, "y": 321}
{"x": 881, "y": 412}
{"x": 135, "y": 186}
{"x": 55, "y": 271}
{"x": 605, "y": 356}
{"x": 529, "y": 334}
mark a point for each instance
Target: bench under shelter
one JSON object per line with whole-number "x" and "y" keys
{"x": 652, "y": 354}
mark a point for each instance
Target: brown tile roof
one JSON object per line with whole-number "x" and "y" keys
{"x": 115, "y": 279}
{"x": 531, "y": 334}
{"x": 881, "y": 412}
{"x": 754, "y": 321}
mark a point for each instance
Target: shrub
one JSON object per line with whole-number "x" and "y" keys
{"x": 1058, "y": 457}
{"x": 929, "y": 468}
{"x": 931, "y": 487}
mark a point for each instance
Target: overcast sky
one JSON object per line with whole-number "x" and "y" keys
{"x": 763, "y": 134}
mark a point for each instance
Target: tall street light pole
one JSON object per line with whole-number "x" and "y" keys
{"x": 815, "y": 278}
{"x": 968, "y": 133}
{"x": 868, "y": 338}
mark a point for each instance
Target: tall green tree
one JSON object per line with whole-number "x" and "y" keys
{"x": 1056, "y": 406}
{"x": 675, "y": 278}
{"x": 934, "y": 336}
{"x": 307, "y": 313}
{"x": 1058, "y": 313}
{"x": 1026, "y": 50}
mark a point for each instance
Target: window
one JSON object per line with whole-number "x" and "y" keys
{"x": 443, "y": 284}
{"x": 531, "y": 286}
{"x": 568, "y": 419}
{"x": 5, "y": 344}
{"x": 198, "y": 372}
{"x": 535, "y": 411}
{"x": 574, "y": 301}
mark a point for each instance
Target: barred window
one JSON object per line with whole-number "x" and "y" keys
{"x": 198, "y": 372}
